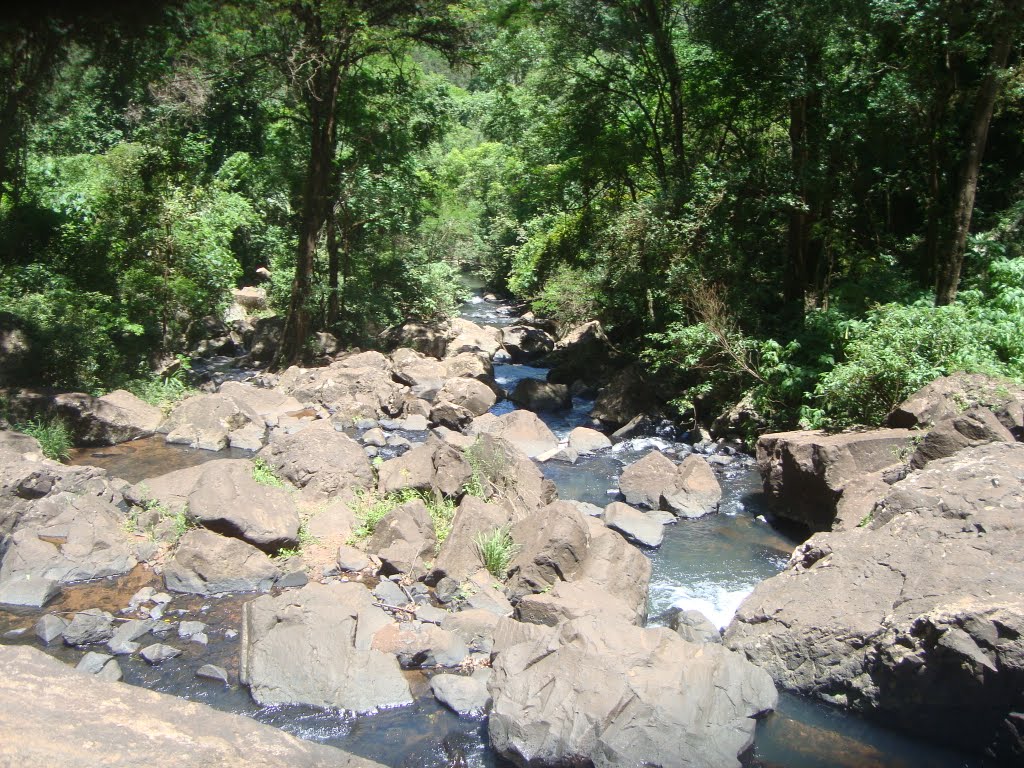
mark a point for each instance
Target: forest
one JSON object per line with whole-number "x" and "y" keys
{"x": 815, "y": 207}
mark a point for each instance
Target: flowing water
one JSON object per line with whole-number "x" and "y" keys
{"x": 709, "y": 564}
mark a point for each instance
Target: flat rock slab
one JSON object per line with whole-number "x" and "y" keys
{"x": 637, "y": 526}
{"x": 461, "y": 694}
{"x": 51, "y": 715}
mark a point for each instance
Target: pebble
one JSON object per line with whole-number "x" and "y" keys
{"x": 213, "y": 672}
{"x": 158, "y": 652}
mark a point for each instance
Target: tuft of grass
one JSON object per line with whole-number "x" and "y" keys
{"x": 164, "y": 392}
{"x": 497, "y": 551}
{"x": 264, "y": 474}
{"x": 53, "y": 435}
{"x": 442, "y": 513}
{"x": 370, "y": 508}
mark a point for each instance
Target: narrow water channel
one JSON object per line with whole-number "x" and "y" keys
{"x": 709, "y": 565}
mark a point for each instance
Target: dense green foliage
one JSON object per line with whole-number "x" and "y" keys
{"x": 814, "y": 205}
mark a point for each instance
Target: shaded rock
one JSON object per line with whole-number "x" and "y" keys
{"x": 313, "y": 646}
{"x": 643, "y": 481}
{"x": 629, "y": 394}
{"x": 536, "y": 395}
{"x": 157, "y": 653}
{"x": 807, "y": 472}
{"x": 391, "y": 594}
{"x": 266, "y": 338}
{"x": 404, "y": 539}
{"x": 122, "y": 641}
{"x": 524, "y": 343}
{"x": 352, "y": 559}
{"x": 915, "y": 617}
{"x": 76, "y": 721}
{"x": 208, "y": 564}
{"x": 585, "y": 440}
{"x": 461, "y": 694}
{"x": 552, "y": 546}
{"x": 189, "y": 629}
{"x": 625, "y": 696}
{"x": 91, "y": 626}
{"x": 429, "y": 338}
{"x": 319, "y": 459}
{"x": 228, "y": 500}
{"x": 450, "y": 416}
{"x": 116, "y": 418}
{"x": 634, "y": 524}
{"x": 584, "y": 352}
{"x": 250, "y": 297}
{"x": 522, "y": 429}
{"x": 621, "y": 570}
{"x": 92, "y": 663}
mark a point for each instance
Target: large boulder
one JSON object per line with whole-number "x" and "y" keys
{"x": 688, "y": 490}
{"x": 404, "y": 539}
{"x": 466, "y": 336}
{"x": 639, "y": 527}
{"x": 76, "y": 720}
{"x": 606, "y": 694}
{"x": 630, "y": 393}
{"x": 949, "y": 396}
{"x": 586, "y": 440}
{"x": 569, "y": 600}
{"x": 459, "y": 556}
{"x": 915, "y": 618}
{"x": 114, "y": 418}
{"x": 429, "y": 338}
{"x": 210, "y": 421}
{"x": 319, "y": 459}
{"x": 424, "y": 375}
{"x": 227, "y": 499}
{"x": 432, "y": 466}
{"x": 206, "y": 563}
{"x": 501, "y": 470}
{"x": 266, "y": 338}
{"x": 64, "y": 538}
{"x": 472, "y": 365}
{"x": 523, "y": 429}
{"x": 552, "y": 544}
{"x": 313, "y": 646}
{"x": 271, "y": 405}
{"x": 523, "y": 342}
{"x": 620, "y": 570}
{"x": 806, "y": 473}
{"x": 475, "y": 396}
{"x": 356, "y": 386}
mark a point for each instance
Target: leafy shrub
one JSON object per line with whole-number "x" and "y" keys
{"x": 164, "y": 392}
{"x": 570, "y": 296}
{"x": 895, "y": 351}
{"x": 497, "y": 551}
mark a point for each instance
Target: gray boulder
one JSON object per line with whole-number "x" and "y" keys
{"x": 87, "y": 627}
{"x": 404, "y": 540}
{"x": 552, "y": 545}
{"x": 459, "y": 556}
{"x": 419, "y": 644}
{"x": 313, "y": 646}
{"x": 524, "y": 343}
{"x": 635, "y": 525}
{"x": 228, "y": 500}
{"x": 569, "y": 600}
{"x": 522, "y": 429}
{"x": 81, "y": 721}
{"x": 209, "y": 421}
{"x": 949, "y": 396}
{"x": 582, "y": 353}
{"x": 319, "y": 459}
{"x": 972, "y": 428}
{"x": 466, "y": 336}
{"x": 586, "y": 440}
{"x": 423, "y": 375}
{"x": 209, "y": 564}
{"x": 461, "y": 694}
{"x": 503, "y": 471}
{"x": 429, "y": 338}
{"x": 694, "y": 627}
{"x": 625, "y": 696}
{"x": 475, "y": 396}
{"x": 916, "y": 617}
{"x": 806, "y": 473}
{"x": 687, "y": 490}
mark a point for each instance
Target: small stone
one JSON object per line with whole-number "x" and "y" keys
{"x": 352, "y": 559}
{"x": 416, "y": 423}
{"x": 230, "y": 634}
{"x": 50, "y": 627}
{"x": 431, "y": 615}
{"x": 187, "y": 629}
{"x": 200, "y": 637}
{"x": 156, "y": 612}
{"x": 161, "y": 598}
{"x": 158, "y": 652}
{"x": 213, "y": 672}
{"x": 13, "y": 634}
{"x": 391, "y": 594}
{"x": 375, "y": 437}
{"x": 92, "y": 663}
{"x": 111, "y": 671}
{"x": 447, "y": 589}
{"x": 294, "y": 577}
{"x": 464, "y": 695}
{"x": 91, "y": 626}
{"x": 144, "y": 595}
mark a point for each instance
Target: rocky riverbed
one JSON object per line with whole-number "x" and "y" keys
{"x": 554, "y": 656}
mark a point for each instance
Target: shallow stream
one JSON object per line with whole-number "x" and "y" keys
{"x": 709, "y": 564}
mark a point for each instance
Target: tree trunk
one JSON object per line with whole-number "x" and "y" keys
{"x": 332, "y": 272}
{"x": 952, "y": 260}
